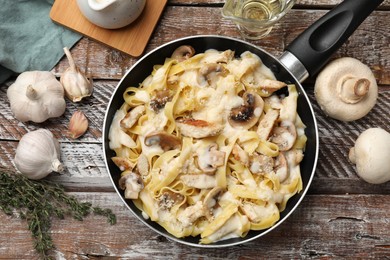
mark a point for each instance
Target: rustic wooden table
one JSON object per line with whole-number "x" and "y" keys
{"x": 340, "y": 217}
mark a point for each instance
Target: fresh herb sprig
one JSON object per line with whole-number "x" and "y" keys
{"x": 38, "y": 202}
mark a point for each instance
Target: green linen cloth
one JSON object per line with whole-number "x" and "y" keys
{"x": 29, "y": 39}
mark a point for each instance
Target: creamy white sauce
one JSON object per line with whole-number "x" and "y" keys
{"x": 116, "y": 135}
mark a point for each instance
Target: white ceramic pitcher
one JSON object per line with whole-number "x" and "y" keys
{"x": 111, "y": 14}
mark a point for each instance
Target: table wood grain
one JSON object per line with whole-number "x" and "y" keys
{"x": 340, "y": 217}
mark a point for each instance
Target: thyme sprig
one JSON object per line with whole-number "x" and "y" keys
{"x": 38, "y": 202}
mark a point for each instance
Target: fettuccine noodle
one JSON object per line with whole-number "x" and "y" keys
{"x": 209, "y": 146}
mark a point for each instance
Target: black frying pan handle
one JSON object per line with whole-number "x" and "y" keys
{"x": 316, "y": 44}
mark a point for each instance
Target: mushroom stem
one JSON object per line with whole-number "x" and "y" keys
{"x": 353, "y": 89}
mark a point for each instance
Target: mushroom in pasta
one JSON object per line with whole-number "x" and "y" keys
{"x": 198, "y": 128}
{"x": 219, "y": 57}
{"x": 183, "y": 53}
{"x": 161, "y": 97}
{"x": 261, "y": 164}
{"x": 164, "y": 140}
{"x": 284, "y": 135}
{"x": 281, "y": 167}
{"x": 210, "y": 201}
{"x": 211, "y": 72}
{"x": 132, "y": 117}
{"x": 247, "y": 115}
{"x": 132, "y": 184}
{"x": 210, "y": 158}
{"x": 169, "y": 198}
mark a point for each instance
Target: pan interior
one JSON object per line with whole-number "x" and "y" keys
{"x": 143, "y": 68}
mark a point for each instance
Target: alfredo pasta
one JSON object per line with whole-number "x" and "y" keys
{"x": 206, "y": 147}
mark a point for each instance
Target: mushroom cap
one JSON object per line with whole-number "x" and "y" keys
{"x": 284, "y": 135}
{"x": 248, "y": 114}
{"x": 163, "y": 139}
{"x": 183, "y": 52}
{"x": 328, "y": 95}
{"x": 371, "y": 155}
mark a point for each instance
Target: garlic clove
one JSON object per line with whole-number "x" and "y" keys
{"x": 78, "y": 125}
{"x": 38, "y": 154}
{"x": 76, "y": 85}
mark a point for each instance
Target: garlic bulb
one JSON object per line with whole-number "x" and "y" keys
{"x": 36, "y": 96}
{"x": 76, "y": 84}
{"x": 38, "y": 154}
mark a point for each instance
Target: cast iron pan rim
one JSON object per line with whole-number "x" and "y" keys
{"x": 166, "y": 234}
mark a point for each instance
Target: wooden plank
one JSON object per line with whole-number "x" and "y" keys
{"x": 350, "y": 226}
{"x": 367, "y": 44}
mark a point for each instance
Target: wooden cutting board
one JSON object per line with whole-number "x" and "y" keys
{"x": 131, "y": 39}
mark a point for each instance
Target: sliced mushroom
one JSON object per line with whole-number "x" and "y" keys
{"x": 143, "y": 165}
{"x": 240, "y": 155}
{"x": 168, "y": 199}
{"x": 267, "y": 123}
{"x": 281, "y": 167}
{"x": 211, "y": 72}
{"x": 284, "y": 135}
{"x": 164, "y": 140}
{"x": 191, "y": 214}
{"x": 159, "y": 100}
{"x": 199, "y": 181}
{"x": 247, "y": 115}
{"x": 123, "y": 163}
{"x": 132, "y": 117}
{"x": 183, "y": 53}
{"x": 210, "y": 158}
{"x": 261, "y": 164}
{"x": 210, "y": 201}
{"x": 198, "y": 128}
{"x": 132, "y": 184}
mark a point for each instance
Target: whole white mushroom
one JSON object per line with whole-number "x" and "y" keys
{"x": 346, "y": 89}
{"x": 371, "y": 154}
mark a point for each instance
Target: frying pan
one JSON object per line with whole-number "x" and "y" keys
{"x": 304, "y": 57}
